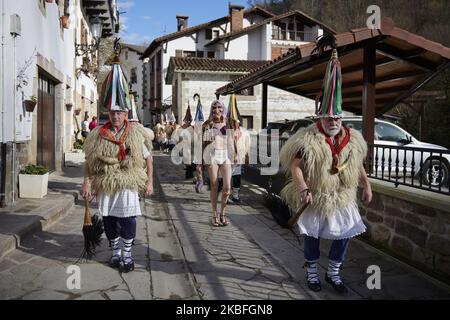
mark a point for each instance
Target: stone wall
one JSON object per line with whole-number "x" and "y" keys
{"x": 414, "y": 227}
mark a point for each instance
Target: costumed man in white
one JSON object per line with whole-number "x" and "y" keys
{"x": 183, "y": 137}
{"x": 118, "y": 165}
{"x": 171, "y": 127}
{"x": 241, "y": 147}
{"x": 198, "y": 145}
{"x": 325, "y": 163}
{"x": 160, "y": 132}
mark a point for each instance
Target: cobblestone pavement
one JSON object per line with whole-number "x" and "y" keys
{"x": 255, "y": 258}
{"x": 179, "y": 255}
{"x": 37, "y": 270}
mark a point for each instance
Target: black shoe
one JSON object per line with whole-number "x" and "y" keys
{"x": 114, "y": 263}
{"x": 236, "y": 200}
{"x": 128, "y": 267}
{"x": 314, "y": 286}
{"x": 339, "y": 286}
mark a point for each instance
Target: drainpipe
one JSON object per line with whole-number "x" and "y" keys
{"x": 4, "y": 145}
{"x": 14, "y": 153}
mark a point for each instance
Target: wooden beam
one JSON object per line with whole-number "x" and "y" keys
{"x": 379, "y": 92}
{"x": 264, "y": 106}
{"x": 415, "y": 87}
{"x": 359, "y": 83}
{"x": 409, "y": 57}
{"x": 286, "y": 65}
{"x": 368, "y": 107}
{"x": 347, "y": 70}
{"x": 390, "y": 77}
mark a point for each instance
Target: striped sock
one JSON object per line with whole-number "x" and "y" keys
{"x": 127, "y": 244}
{"x": 115, "y": 246}
{"x": 333, "y": 271}
{"x": 312, "y": 275}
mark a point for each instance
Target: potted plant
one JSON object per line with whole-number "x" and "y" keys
{"x": 33, "y": 181}
{"x": 30, "y": 103}
{"x": 76, "y": 157}
{"x": 69, "y": 106}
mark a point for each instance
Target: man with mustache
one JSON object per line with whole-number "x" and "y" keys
{"x": 325, "y": 164}
{"x": 119, "y": 165}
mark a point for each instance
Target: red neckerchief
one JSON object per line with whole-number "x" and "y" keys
{"x": 105, "y": 133}
{"x": 342, "y": 141}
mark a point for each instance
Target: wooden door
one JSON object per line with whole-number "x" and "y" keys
{"x": 46, "y": 123}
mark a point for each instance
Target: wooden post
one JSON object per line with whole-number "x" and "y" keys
{"x": 264, "y": 106}
{"x": 368, "y": 106}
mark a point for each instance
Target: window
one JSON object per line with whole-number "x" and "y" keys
{"x": 133, "y": 75}
{"x": 247, "y": 122}
{"x": 216, "y": 34}
{"x": 211, "y": 54}
{"x": 246, "y": 92}
{"x": 387, "y": 132}
{"x": 200, "y": 54}
{"x": 189, "y": 53}
{"x": 208, "y": 34}
{"x": 357, "y": 125}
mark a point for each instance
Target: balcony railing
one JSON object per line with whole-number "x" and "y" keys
{"x": 279, "y": 34}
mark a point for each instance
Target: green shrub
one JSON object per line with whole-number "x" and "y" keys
{"x": 34, "y": 169}
{"x": 78, "y": 145}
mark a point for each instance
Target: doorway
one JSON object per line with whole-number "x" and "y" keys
{"x": 46, "y": 123}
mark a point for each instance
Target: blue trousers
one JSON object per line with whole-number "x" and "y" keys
{"x": 337, "y": 251}
{"x": 120, "y": 227}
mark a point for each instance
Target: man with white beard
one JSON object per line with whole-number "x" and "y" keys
{"x": 325, "y": 163}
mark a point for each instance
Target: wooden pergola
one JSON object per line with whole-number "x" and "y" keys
{"x": 380, "y": 68}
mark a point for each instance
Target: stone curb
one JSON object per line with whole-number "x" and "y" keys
{"x": 35, "y": 223}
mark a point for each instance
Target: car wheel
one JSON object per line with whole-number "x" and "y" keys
{"x": 432, "y": 175}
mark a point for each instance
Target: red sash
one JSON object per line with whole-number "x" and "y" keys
{"x": 343, "y": 137}
{"x": 106, "y": 133}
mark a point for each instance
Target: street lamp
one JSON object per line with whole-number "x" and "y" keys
{"x": 96, "y": 27}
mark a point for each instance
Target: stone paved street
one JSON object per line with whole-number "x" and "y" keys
{"x": 179, "y": 255}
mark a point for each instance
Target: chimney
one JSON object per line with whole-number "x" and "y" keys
{"x": 236, "y": 17}
{"x": 182, "y": 22}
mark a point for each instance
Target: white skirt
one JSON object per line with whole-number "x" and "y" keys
{"x": 121, "y": 204}
{"x": 343, "y": 224}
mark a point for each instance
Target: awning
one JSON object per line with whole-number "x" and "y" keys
{"x": 403, "y": 62}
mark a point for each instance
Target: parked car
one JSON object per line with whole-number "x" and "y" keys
{"x": 427, "y": 162}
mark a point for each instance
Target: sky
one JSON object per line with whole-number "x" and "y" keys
{"x": 145, "y": 20}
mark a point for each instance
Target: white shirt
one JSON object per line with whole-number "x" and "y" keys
{"x": 85, "y": 125}
{"x": 346, "y": 223}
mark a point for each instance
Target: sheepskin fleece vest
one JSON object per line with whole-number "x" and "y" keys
{"x": 330, "y": 192}
{"x": 107, "y": 173}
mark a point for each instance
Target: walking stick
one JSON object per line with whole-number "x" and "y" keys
{"x": 294, "y": 218}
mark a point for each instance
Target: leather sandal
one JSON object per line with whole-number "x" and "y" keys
{"x": 215, "y": 221}
{"x": 223, "y": 220}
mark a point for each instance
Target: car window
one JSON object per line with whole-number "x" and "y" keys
{"x": 388, "y": 132}
{"x": 357, "y": 125}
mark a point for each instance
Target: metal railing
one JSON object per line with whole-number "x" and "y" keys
{"x": 421, "y": 168}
